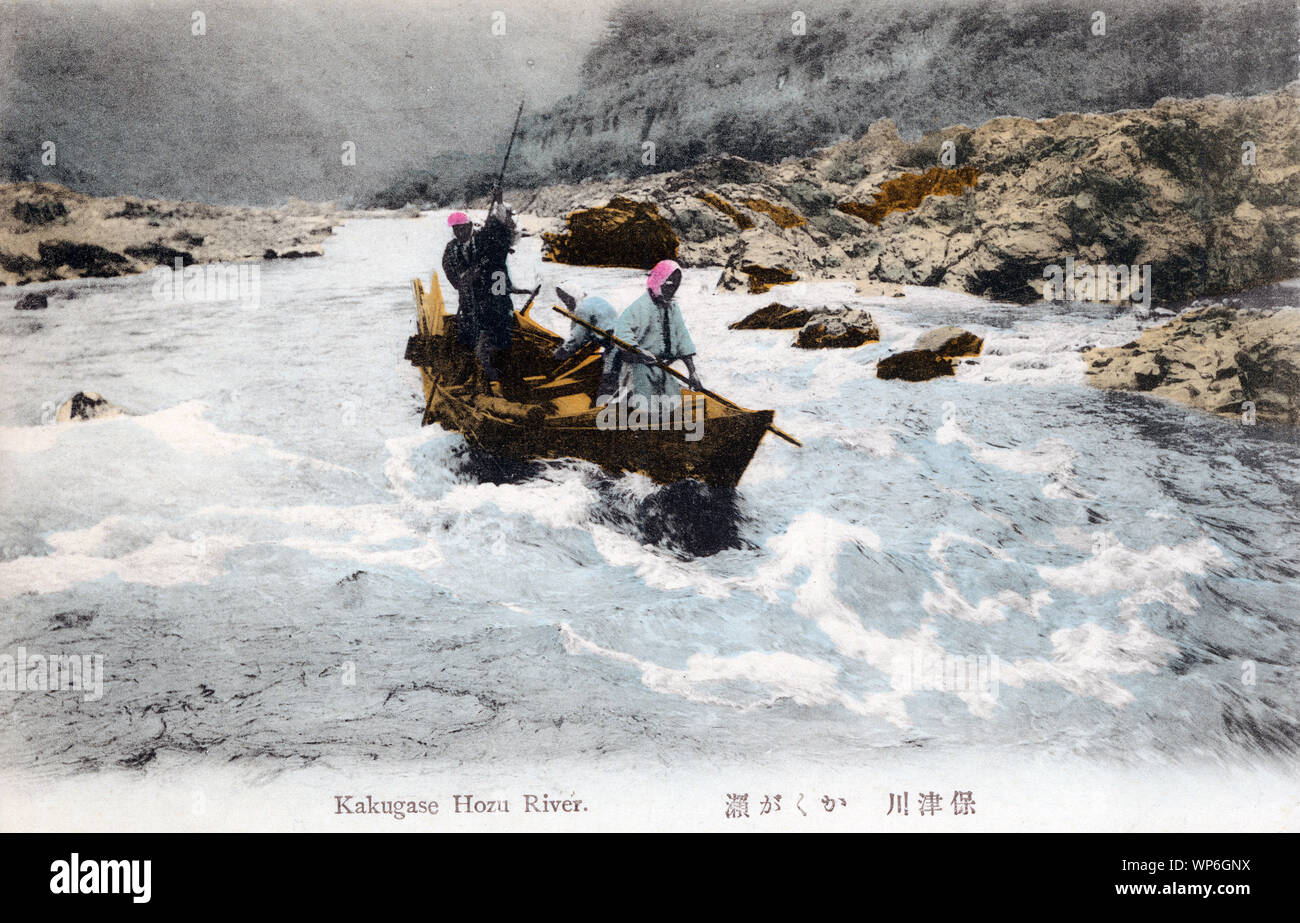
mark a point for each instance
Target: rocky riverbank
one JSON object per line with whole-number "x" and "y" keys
{"x": 50, "y": 232}
{"x": 1203, "y": 192}
{"x": 1221, "y": 359}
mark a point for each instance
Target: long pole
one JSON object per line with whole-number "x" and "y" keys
{"x": 501, "y": 179}
{"x": 622, "y": 344}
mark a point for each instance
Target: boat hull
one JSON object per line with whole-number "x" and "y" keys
{"x": 534, "y": 423}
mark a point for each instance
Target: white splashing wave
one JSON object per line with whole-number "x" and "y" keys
{"x": 1150, "y": 576}
{"x": 1083, "y": 659}
{"x": 1053, "y": 458}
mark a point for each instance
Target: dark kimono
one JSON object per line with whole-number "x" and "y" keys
{"x": 457, "y": 270}
{"x": 490, "y": 282}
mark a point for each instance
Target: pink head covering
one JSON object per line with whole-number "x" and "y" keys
{"x": 663, "y": 269}
{"x": 456, "y": 218}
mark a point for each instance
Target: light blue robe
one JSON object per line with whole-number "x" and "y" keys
{"x": 596, "y": 311}
{"x": 661, "y": 332}
{"x": 600, "y": 313}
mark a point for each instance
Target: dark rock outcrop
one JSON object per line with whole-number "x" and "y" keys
{"x": 622, "y": 233}
{"x": 950, "y": 342}
{"x": 82, "y": 259}
{"x": 846, "y": 329}
{"x": 32, "y": 301}
{"x": 819, "y": 328}
{"x": 160, "y": 254}
{"x": 932, "y": 356}
{"x": 914, "y": 365}
{"x": 775, "y": 316}
{"x": 39, "y": 212}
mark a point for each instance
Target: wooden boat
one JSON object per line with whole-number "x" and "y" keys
{"x": 549, "y": 409}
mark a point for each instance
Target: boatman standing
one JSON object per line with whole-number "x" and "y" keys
{"x": 654, "y": 323}
{"x": 599, "y": 313}
{"x": 456, "y": 270}
{"x": 491, "y": 286}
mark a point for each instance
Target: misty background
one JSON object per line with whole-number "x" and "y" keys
{"x": 257, "y": 109}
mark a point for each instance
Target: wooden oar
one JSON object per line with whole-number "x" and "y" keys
{"x": 621, "y": 344}
{"x": 523, "y": 312}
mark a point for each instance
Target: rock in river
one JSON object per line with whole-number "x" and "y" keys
{"x": 846, "y": 329}
{"x": 1219, "y": 359}
{"x": 32, "y": 301}
{"x": 950, "y": 342}
{"x": 914, "y": 365}
{"x": 87, "y": 405}
{"x": 775, "y": 316}
{"x": 623, "y": 233}
{"x": 932, "y": 356}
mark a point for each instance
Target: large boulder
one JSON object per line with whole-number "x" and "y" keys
{"x": 32, "y": 301}
{"x": 914, "y": 365}
{"x": 775, "y": 316}
{"x": 847, "y": 329}
{"x": 623, "y": 233}
{"x": 761, "y": 259}
{"x": 931, "y": 356}
{"x": 1219, "y": 359}
{"x": 87, "y": 405}
{"x": 950, "y": 342}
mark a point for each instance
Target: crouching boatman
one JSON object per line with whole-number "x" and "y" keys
{"x": 599, "y": 313}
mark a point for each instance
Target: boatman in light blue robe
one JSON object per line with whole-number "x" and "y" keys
{"x": 654, "y": 324}
{"x": 599, "y": 313}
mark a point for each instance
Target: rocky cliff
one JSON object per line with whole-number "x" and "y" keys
{"x": 1203, "y": 194}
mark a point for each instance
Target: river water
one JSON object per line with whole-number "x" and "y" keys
{"x": 280, "y": 567}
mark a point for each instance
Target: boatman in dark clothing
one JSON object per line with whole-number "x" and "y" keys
{"x": 491, "y": 289}
{"x": 456, "y": 270}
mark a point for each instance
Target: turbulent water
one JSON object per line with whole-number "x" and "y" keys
{"x": 278, "y": 564}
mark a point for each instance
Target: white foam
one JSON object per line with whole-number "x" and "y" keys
{"x": 1084, "y": 659}
{"x": 803, "y": 680}
{"x": 28, "y": 440}
{"x": 1052, "y": 457}
{"x": 950, "y": 601}
{"x": 166, "y": 561}
{"x": 1146, "y": 576}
